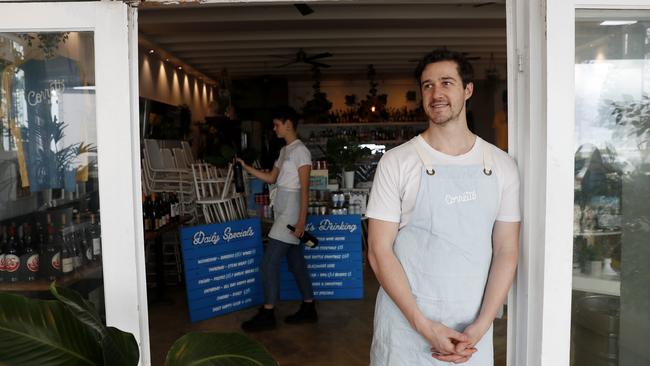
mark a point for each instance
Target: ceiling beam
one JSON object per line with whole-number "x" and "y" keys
{"x": 361, "y": 66}
{"x": 355, "y": 59}
{"x": 339, "y": 11}
{"x": 193, "y": 3}
{"x": 333, "y": 34}
{"x": 200, "y": 53}
{"x": 431, "y": 42}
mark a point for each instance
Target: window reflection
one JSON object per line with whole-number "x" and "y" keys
{"x": 611, "y": 257}
{"x": 49, "y": 202}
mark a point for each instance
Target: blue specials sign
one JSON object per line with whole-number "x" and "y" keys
{"x": 222, "y": 267}
{"x": 335, "y": 264}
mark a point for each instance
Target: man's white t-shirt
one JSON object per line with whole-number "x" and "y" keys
{"x": 397, "y": 180}
{"x": 292, "y": 157}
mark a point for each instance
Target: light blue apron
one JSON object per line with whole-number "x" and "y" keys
{"x": 286, "y": 206}
{"x": 445, "y": 250}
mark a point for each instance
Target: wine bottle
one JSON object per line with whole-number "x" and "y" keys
{"x": 239, "y": 178}
{"x": 307, "y": 238}
{"x": 3, "y": 249}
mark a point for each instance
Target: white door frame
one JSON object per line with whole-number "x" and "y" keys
{"x": 117, "y": 145}
{"x": 544, "y": 111}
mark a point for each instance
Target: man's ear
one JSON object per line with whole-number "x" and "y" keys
{"x": 469, "y": 90}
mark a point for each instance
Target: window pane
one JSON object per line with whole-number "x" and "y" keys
{"x": 611, "y": 255}
{"x": 49, "y": 202}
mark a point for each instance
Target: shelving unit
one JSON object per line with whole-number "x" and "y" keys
{"x": 362, "y": 124}
{"x": 89, "y": 271}
{"x": 400, "y": 132}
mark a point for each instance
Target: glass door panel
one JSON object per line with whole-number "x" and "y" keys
{"x": 49, "y": 195}
{"x": 611, "y": 245}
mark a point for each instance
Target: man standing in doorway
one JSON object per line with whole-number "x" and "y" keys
{"x": 443, "y": 231}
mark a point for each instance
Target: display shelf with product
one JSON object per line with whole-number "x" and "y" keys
{"x": 388, "y": 134}
{"x": 91, "y": 271}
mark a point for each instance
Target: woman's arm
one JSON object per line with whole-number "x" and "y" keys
{"x": 267, "y": 177}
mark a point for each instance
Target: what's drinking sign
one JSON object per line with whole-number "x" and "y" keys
{"x": 222, "y": 267}
{"x": 335, "y": 264}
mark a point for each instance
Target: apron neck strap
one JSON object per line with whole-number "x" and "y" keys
{"x": 488, "y": 162}
{"x": 424, "y": 157}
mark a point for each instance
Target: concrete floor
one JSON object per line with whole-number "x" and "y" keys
{"x": 341, "y": 337}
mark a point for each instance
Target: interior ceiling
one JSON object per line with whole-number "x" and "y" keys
{"x": 250, "y": 39}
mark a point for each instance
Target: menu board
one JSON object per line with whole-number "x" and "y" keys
{"x": 335, "y": 264}
{"x": 222, "y": 267}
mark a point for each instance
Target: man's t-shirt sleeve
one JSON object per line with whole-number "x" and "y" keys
{"x": 509, "y": 210}
{"x": 385, "y": 202}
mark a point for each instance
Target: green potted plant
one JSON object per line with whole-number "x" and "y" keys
{"x": 68, "y": 331}
{"x": 343, "y": 155}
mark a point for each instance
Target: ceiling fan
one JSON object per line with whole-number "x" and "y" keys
{"x": 302, "y": 57}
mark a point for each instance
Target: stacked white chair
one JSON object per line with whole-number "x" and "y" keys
{"x": 164, "y": 172}
{"x": 215, "y": 194}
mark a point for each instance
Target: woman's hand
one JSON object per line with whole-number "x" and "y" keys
{"x": 240, "y": 161}
{"x": 300, "y": 229}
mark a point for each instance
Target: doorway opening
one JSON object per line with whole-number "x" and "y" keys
{"x": 210, "y": 74}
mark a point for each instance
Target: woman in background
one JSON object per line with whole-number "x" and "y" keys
{"x": 291, "y": 175}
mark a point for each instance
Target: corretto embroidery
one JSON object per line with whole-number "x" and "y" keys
{"x": 459, "y": 198}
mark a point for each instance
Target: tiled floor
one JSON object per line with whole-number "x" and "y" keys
{"x": 341, "y": 337}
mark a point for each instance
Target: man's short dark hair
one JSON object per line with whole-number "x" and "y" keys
{"x": 465, "y": 69}
{"x": 285, "y": 113}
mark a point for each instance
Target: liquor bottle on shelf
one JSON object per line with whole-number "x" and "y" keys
{"x": 155, "y": 212}
{"x": 67, "y": 254}
{"x": 83, "y": 243}
{"x": 95, "y": 237}
{"x": 307, "y": 238}
{"x": 51, "y": 252}
{"x": 29, "y": 257}
{"x": 166, "y": 214}
{"x": 146, "y": 207}
{"x": 75, "y": 244}
{"x": 87, "y": 244}
{"x": 12, "y": 260}
{"x": 238, "y": 174}
{"x": 3, "y": 249}
{"x": 175, "y": 208}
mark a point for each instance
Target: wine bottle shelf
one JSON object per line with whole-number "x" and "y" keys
{"x": 88, "y": 271}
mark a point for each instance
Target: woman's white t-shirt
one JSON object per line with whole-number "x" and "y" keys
{"x": 397, "y": 180}
{"x": 291, "y": 157}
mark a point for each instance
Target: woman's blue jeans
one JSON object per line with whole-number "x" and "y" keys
{"x": 275, "y": 250}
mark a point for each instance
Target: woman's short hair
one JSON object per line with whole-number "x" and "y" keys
{"x": 286, "y": 113}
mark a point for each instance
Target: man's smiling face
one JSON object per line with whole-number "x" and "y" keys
{"x": 443, "y": 94}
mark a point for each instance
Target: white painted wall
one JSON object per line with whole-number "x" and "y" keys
{"x": 163, "y": 82}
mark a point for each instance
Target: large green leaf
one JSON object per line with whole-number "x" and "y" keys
{"x": 218, "y": 349}
{"x": 118, "y": 347}
{"x": 84, "y": 310}
{"x": 39, "y": 332}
